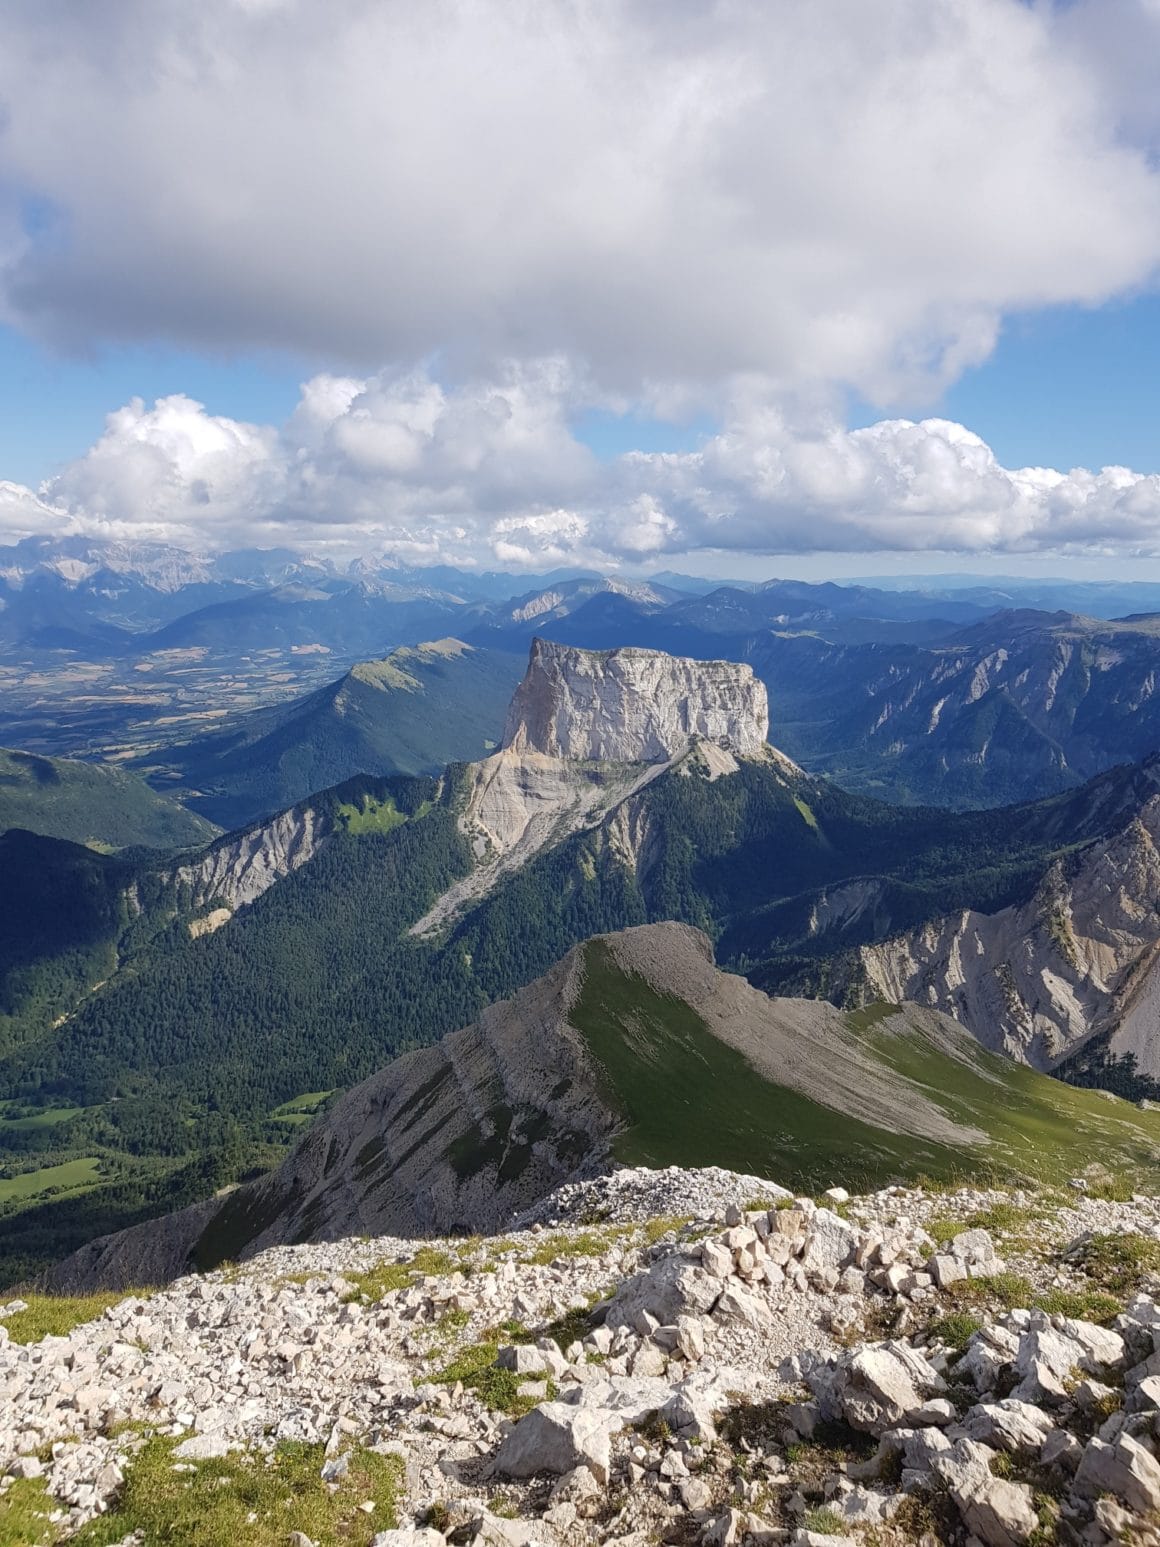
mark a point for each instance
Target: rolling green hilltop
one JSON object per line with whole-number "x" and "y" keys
{"x": 416, "y": 710}
{"x": 635, "y": 1048}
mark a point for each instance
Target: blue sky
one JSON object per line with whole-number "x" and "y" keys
{"x": 1066, "y": 387}
{"x": 53, "y": 405}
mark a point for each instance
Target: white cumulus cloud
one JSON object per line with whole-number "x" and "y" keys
{"x": 839, "y": 191}
{"x": 489, "y": 471}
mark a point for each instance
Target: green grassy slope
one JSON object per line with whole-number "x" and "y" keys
{"x": 412, "y": 712}
{"x": 317, "y": 983}
{"x": 689, "y": 1099}
{"x": 91, "y": 803}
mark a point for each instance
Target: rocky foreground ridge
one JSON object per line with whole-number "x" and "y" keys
{"x": 683, "y": 1357}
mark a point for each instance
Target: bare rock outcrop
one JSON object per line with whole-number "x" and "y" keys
{"x": 1037, "y": 980}
{"x": 240, "y": 867}
{"x": 632, "y": 706}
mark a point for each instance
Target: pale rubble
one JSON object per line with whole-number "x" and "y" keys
{"x": 638, "y": 1425}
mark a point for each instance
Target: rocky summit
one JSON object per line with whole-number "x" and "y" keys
{"x": 632, "y": 706}
{"x": 649, "y": 1356}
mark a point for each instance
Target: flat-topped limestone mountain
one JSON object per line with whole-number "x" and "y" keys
{"x": 587, "y": 730}
{"x": 632, "y": 706}
{"x": 635, "y": 1047}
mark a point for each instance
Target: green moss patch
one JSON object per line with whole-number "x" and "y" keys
{"x": 475, "y": 1368}
{"x": 25, "y": 1508}
{"x": 1120, "y": 1263}
{"x": 249, "y": 1498}
{"x": 370, "y": 815}
{"x": 386, "y": 1277}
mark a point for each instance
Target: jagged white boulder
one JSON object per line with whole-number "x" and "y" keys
{"x": 557, "y": 1437}
{"x": 879, "y": 1387}
{"x": 1125, "y": 1469}
{"x": 408, "y": 1536}
{"x": 830, "y": 1242}
{"x": 988, "y": 1351}
{"x": 667, "y": 1290}
{"x": 1048, "y": 1355}
{"x": 998, "y": 1512}
{"x": 1008, "y": 1425}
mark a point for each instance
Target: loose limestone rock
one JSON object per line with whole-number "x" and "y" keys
{"x": 678, "y": 1393}
{"x": 880, "y": 1387}
{"x": 999, "y": 1512}
{"x": 558, "y": 1438}
{"x": 1125, "y": 1469}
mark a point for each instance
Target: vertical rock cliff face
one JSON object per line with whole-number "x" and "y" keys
{"x": 632, "y": 706}
{"x": 586, "y": 730}
{"x": 1077, "y": 961}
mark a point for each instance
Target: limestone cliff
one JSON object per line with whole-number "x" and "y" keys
{"x": 588, "y": 729}
{"x": 1037, "y": 981}
{"x": 240, "y": 867}
{"x": 632, "y": 706}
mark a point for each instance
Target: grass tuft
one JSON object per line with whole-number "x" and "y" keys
{"x": 1080, "y": 1304}
{"x": 1006, "y": 1291}
{"x": 25, "y": 1507}
{"x": 1120, "y": 1263}
{"x": 824, "y": 1520}
{"x": 248, "y": 1497}
{"x": 428, "y": 1262}
{"x": 476, "y": 1369}
{"x": 957, "y": 1329}
{"x": 57, "y": 1315}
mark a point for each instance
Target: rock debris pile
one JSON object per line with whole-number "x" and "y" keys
{"x": 772, "y": 1369}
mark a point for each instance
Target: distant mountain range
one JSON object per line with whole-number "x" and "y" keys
{"x": 1019, "y": 705}
{"x": 77, "y": 593}
{"x": 913, "y": 696}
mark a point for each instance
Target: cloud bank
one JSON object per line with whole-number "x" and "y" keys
{"x": 490, "y": 472}
{"x": 844, "y": 191}
{"x": 709, "y": 207}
